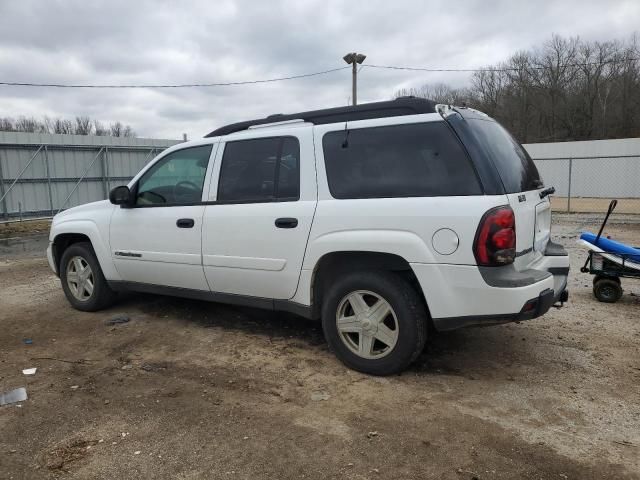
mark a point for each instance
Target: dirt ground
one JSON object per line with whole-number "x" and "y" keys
{"x": 188, "y": 389}
{"x": 595, "y": 205}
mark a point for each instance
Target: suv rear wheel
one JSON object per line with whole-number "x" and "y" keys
{"x": 82, "y": 280}
{"x": 375, "y": 322}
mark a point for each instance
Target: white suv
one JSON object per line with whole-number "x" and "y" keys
{"x": 379, "y": 219}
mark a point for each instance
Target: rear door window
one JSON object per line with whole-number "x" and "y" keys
{"x": 415, "y": 160}
{"x": 514, "y": 165}
{"x": 260, "y": 170}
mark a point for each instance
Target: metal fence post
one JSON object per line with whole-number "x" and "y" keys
{"x": 569, "y": 186}
{"x": 47, "y": 168}
{"x": 105, "y": 172}
{"x": 5, "y": 213}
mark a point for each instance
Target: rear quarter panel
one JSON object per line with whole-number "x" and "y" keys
{"x": 402, "y": 226}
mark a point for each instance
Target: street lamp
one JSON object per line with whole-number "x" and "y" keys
{"x": 354, "y": 59}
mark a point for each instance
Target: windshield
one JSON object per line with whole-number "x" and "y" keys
{"x": 516, "y": 169}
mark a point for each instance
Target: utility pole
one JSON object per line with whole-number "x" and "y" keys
{"x": 354, "y": 59}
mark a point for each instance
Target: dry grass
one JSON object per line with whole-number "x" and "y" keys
{"x": 28, "y": 227}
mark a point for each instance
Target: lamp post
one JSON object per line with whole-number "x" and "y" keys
{"x": 354, "y": 59}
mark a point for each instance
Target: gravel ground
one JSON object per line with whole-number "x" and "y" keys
{"x": 189, "y": 389}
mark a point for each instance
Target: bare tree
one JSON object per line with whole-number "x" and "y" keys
{"x": 116, "y": 129}
{"x": 6, "y": 124}
{"x": 99, "y": 128}
{"x": 29, "y": 124}
{"x": 60, "y": 125}
{"x": 83, "y": 126}
{"x": 567, "y": 89}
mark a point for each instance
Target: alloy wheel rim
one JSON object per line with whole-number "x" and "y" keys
{"x": 80, "y": 279}
{"x": 367, "y": 324}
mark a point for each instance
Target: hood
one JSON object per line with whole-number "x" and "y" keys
{"x": 86, "y": 211}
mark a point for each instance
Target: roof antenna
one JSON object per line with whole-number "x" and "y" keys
{"x": 345, "y": 142}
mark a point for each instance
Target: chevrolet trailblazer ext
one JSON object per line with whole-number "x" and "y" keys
{"x": 378, "y": 219}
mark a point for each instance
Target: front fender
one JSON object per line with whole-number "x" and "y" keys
{"x": 99, "y": 242}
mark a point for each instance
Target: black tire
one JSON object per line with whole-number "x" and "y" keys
{"x": 101, "y": 296}
{"x": 410, "y": 316}
{"x": 598, "y": 277}
{"x": 607, "y": 290}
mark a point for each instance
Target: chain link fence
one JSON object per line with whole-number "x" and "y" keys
{"x": 587, "y": 184}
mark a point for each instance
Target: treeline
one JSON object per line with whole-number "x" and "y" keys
{"x": 568, "y": 89}
{"x": 78, "y": 126}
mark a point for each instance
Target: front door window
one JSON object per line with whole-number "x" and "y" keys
{"x": 176, "y": 179}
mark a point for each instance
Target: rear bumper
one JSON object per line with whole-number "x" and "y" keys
{"x": 464, "y": 295}
{"x": 533, "y": 308}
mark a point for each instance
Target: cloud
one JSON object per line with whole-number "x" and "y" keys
{"x": 147, "y": 42}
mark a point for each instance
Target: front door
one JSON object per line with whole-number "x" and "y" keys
{"x": 158, "y": 240}
{"x": 257, "y": 225}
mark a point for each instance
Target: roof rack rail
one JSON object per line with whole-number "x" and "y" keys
{"x": 392, "y": 108}
{"x": 275, "y": 123}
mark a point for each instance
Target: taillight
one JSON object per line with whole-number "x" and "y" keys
{"x": 495, "y": 242}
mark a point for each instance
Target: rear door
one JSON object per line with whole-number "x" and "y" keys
{"x": 522, "y": 185}
{"x": 257, "y": 223}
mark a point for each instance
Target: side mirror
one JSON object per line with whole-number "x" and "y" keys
{"x": 121, "y": 196}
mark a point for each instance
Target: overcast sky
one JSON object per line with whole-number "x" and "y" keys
{"x": 147, "y": 42}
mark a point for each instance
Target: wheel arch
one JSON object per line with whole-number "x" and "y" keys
{"x": 63, "y": 241}
{"x": 71, "y": 232}
{"x": 336, "y": 263}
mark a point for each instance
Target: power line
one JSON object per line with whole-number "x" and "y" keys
{"x": 314, "y": 74}
{"x": 185, "y": 85}
{"x": 496, "y": 69}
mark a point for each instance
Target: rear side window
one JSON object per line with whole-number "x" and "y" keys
{"x": 260, "y": 170}
{"x": 516, "y": 169}
{"x": 416, "y": 160}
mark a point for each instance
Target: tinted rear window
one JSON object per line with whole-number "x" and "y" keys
{"x": 260, "y": 170}
{"x": 416, "y": 160}
{"x": 516, "y": 169}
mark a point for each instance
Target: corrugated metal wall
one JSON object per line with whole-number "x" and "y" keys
{"x": 45, "y": 169}
{"x": 54, "y": 164}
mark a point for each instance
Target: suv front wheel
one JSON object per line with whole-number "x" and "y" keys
{"x": 82, "y": 280}
{"x": 375, "y": 322}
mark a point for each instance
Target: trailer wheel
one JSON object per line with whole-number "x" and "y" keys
{"x": 607, "y": 290}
